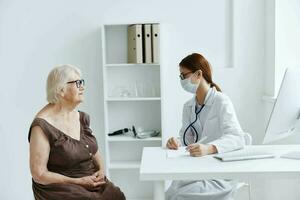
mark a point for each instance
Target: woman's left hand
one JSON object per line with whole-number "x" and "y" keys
{"x": 100, "y": 176}
{"x": 197, "y": 150}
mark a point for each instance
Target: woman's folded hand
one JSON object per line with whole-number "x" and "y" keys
{"x": 92, "y": 182}
{"x": 100, "y": 176}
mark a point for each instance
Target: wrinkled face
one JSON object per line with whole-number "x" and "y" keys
{"x": 73, "y": 90}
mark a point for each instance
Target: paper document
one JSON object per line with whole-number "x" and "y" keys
{"x": 180, "y": 152}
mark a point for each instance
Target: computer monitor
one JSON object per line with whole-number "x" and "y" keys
{"x": 284, "y": 120}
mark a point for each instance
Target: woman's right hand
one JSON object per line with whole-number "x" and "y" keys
{"x": 173, "y": 143}
{"x": 90, "y": 182}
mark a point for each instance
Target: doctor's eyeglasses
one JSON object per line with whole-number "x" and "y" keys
{"x": 183, "y": 75}
{"x": 79, "y": 83}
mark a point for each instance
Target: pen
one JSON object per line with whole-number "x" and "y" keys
{"x": 201, "y": 140}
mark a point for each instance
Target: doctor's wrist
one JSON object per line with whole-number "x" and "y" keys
{"x": 212, "y": 149}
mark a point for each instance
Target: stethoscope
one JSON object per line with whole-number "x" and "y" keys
{"x": 191, "y": 126}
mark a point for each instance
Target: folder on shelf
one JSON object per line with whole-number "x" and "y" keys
{"x": 147, "y": 43}
{"x": 135, "y": 44}
{"x": 155, "y": 43}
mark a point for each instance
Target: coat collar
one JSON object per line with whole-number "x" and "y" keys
{"x": 209, "y": 98}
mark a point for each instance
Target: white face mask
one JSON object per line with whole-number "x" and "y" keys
{"x": 188, "y": 86}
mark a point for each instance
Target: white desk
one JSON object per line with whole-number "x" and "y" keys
{"x": 157, "y": 167}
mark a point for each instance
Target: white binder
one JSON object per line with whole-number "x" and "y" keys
{"x": 155, "y": 43}
{"x": 147, "y": 43}
{"x": 135, "y": 44}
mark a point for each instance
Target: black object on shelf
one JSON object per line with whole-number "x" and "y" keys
{"x": 140, "y": 134}
{"x": 119, "y": 132}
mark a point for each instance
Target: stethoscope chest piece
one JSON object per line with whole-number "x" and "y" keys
{"x": 190, "y": 134}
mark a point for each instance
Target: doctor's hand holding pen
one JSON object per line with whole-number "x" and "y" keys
{"x": 196, "y": 149}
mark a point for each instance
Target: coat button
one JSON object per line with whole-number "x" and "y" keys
{"x": 87, "y": 146}
{"x": 91, "y": 154}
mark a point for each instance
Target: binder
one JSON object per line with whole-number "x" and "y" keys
{"x": 135, "y": 44}
{"x": 155, "y": 43}
{"x": 147, "y": 43}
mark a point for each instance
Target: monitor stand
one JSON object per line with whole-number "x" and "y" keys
{"x": 291, "y": 155}
{"x": 294, "y": 139}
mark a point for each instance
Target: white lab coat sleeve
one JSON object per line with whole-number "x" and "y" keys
{"x": 186, "y": 114}
{"x": 232, "y": 134}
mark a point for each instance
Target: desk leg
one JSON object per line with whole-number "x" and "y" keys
{"x": 159, "y": 190}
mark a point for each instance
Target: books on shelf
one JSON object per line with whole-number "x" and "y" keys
{"x": 143, "y": 43}
{"x": 155, "y": 43}
{"x": 135, "y": 48}
{"x": 147, "y": 43}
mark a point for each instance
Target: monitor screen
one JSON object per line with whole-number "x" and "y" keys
{"x": 284, "y": 119}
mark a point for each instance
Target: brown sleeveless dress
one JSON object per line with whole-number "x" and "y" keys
{"x": 72, "y": 158}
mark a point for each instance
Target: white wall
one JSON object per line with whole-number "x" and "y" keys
{"x": 287, "y": 40}
{"x": 35, "y": 35}
{"x": 282, "y": 41}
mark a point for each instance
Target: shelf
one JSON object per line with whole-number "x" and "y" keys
{"x": 134, "y": 99}
{"x": 125, "y": 165}
{"x": 132, "y": 64}
{"x": 124, "y": 138}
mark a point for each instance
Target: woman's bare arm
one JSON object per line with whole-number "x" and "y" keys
{"x": 39, "y": 155}
{"x": 99, "y": 162}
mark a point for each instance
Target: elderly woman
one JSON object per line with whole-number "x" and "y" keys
{"x": 64, "y": 159}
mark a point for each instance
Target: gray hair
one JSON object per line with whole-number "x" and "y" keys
{"x": 57, "y": 79}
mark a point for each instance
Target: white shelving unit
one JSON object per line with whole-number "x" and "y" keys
{"x": 132, "y": 96}
{"x": 125, "y": 165}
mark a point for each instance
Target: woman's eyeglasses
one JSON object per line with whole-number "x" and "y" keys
{"x": 182, "y": 75}
{"x": 79, "y": 83}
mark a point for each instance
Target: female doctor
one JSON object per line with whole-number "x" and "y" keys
{"x": 209, "y": 125}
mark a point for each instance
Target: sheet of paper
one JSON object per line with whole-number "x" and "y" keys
{"x": 177, "y": 153}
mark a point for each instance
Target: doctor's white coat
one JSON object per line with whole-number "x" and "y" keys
{"x": 219, "y": 123}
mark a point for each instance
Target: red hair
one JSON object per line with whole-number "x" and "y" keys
{"x": 196, "y": 61}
